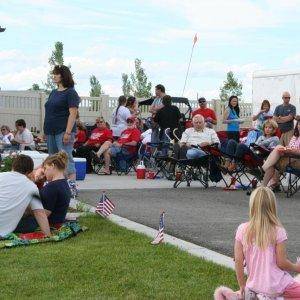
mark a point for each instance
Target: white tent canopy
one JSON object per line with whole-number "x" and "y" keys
{"x": 270, "y": 84}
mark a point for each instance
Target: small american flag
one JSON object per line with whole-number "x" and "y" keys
{"x": 104, "y": 206}
{"x": 160, "y": 235}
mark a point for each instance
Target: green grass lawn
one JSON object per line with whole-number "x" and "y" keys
{"x": 107, "y": 262}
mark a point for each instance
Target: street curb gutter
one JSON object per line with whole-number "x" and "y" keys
{"x": 191, "y": 248}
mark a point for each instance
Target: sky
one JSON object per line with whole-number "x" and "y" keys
{"x": 103, "y": 38}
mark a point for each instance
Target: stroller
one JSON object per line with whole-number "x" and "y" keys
{"x": 182, "y": 103}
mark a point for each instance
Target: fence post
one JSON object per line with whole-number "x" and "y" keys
{"x": 218, "y": 110}
{"x": 42, "y": 100}
{"x": 105, "y": 111}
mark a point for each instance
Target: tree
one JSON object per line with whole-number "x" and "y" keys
{"x": 137, "y": 84}
{"x": 139, "y": 81}
{"x": 126, "y": 86}
{"x": 35, "y": 87}
{"x": 96, "y": 88}
{"x": 230, "y": 87}
{"x": 56, "y": 58}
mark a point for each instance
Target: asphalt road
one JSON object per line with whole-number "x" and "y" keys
{"x": 205, "y": 217}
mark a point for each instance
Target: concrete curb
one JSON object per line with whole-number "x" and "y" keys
{"x": 191, "y": 248}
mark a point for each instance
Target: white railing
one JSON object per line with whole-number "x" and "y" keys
{"x": 22, "y": 105}
{"x": 29, "y": 106}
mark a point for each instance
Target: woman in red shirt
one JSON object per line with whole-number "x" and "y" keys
{"x": 127, "y": 144}
{"x": 99, "y": 136}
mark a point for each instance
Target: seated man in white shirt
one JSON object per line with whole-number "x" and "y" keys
{"x": 17, "y": 193}
{"x": 23, "y": 137}
{"x": 198, "y": 135}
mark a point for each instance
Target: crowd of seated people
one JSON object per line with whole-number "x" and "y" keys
{"x": 128, "y": 131}
{"x": 119, "y": 139}
{"x": 20, "y": 139}
{"x": 98, "y": 137}
{"x": 124, "y": 147}
{"x": 271, "y": 127}
{"x": 121, "y": 142}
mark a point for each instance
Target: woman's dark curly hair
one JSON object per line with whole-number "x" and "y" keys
{"x": 66, "y": 75}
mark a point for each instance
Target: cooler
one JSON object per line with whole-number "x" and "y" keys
{"x": 80, "y": 166}
{"x": 37, "y": 157}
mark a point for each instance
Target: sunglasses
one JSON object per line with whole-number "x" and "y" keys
{"x": 286, "y": 97}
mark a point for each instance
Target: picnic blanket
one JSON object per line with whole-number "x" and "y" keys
{"x": 67, "y": 230}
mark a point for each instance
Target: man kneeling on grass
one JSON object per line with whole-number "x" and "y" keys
{"x": 17, "y": 193}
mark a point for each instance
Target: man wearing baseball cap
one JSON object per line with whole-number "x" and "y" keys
{"x": 208, "y": 114}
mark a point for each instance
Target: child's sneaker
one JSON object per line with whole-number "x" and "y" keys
{"x": 73, "y": 188}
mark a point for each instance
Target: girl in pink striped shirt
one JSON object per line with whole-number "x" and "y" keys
{"x": 278, "y": 158}
{"x": 260, "y": 242}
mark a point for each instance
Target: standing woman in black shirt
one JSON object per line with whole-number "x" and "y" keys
{"x": 60, "y": 114}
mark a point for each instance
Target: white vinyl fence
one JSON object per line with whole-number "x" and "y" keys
{"x": 29, "y": 105}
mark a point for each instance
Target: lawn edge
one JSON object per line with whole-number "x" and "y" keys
{"x": 191, "y": 248}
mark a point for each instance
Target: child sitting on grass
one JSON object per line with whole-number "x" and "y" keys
{"x": 260, "y": 242}
{"x": 56, "y": 194}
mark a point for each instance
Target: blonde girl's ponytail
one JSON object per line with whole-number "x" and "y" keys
{"x": 59, "y": 160}
{"x": 263, "y": 218}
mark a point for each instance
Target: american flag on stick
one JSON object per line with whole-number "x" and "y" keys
{"x": 160, "y": 235}
{"x": 104, "y": 206}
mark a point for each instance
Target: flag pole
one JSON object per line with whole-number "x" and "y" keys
{"x": 189, "y": 65}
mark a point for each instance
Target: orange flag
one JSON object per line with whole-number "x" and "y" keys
{"x": 195, "y": 39}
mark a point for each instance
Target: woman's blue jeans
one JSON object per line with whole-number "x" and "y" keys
{"x": 238, "y": 150}
{"x": 55, "y": 144}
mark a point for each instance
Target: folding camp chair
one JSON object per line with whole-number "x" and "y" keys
{"x": 248, "y": 169}
{"x": 293, "y": 176}
{"x": 154, "y": 159}
{"x": 189, "y": 170}
{"x": 249, "y": 172}
{"x": 123, "y": 163}
{"x": 216, "y": 157}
